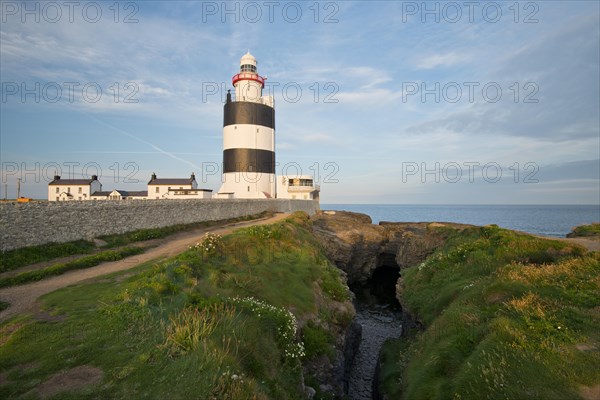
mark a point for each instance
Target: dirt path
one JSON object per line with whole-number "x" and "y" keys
{"x": 22, "y": 298}
{"x": 592, "y": 244}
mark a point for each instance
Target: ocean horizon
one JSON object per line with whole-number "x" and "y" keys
{"x": 545, "y": 220}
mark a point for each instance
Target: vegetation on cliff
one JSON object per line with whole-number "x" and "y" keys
{"x": 223, "y": 320}
{"x": 505, "y": 315}
{"x": 591, "y": 230}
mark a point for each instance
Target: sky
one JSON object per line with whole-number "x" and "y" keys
{"x": 382, "y": 101}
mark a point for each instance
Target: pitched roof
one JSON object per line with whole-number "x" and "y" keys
{"x": 141, "y": 193}
{"x": 71, "y": 182}
{"x": 101, "y": 193}
{"x": 191, "y": 190}
{"x": 170, "y": 181}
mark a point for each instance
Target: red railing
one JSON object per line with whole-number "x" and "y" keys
{"x": 248, "y": 76}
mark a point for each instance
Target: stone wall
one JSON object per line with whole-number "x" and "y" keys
{"x": 29, "y": 224}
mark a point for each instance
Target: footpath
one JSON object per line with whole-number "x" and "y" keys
{"x": 23, "y": 298}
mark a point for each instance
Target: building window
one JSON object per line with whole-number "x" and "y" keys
{"x": 68, "y": 190}
{"x": 57, "y": 199}
{"x": 79, "y": 191}
{"x": 248, "y": 188}
{"x": 57, "y": 190}
{"x": 79, "y": 197}
{"x": 157, "y": 190}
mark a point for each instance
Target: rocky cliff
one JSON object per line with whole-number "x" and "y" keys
{"x": 359, "y": 247}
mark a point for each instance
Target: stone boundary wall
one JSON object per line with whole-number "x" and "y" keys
{"x": 35, "y": 223}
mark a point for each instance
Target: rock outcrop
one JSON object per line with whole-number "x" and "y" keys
{"x": 358, "y": 247}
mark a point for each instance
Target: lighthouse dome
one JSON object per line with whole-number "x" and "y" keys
{"x": 248, "y": 63}
{"x": 248, "y": 59}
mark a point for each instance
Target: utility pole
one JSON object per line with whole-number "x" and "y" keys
{"x": 18, "y": 188}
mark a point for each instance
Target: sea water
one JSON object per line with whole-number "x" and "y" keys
{"x": 545, "y": 220}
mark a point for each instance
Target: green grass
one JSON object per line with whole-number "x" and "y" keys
{"x": 13, "y": 259}
{"x": 592, "y": 230}
{"x": 507, "y": 316}
{"x": 158, "y": 233}
{"x": 318, "y": 341}
{"x": 223, "y": 324}
{"x": 17, "y": 258}
{"x": 61, "y": 268}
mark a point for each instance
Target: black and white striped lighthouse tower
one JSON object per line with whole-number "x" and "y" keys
{"x": 248, "y": 137}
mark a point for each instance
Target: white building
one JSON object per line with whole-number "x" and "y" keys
{"x": 300, "y": 187}
{"x": 248, "y": 137}
{"x": 73, "y": 189}
{"x": 91, "y": 189}
{"x": 120, "y": 195}
{"x": 176, "y": 188}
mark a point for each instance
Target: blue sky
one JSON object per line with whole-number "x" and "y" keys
{"x": 492, "y": 103}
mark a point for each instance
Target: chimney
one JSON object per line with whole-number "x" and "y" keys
{"x": 56, "y": 177}
{"x": 153, "y": 176}
{"x": 94, "y": 177}
{"x": 193, "y": 177}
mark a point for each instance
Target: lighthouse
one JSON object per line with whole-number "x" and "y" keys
{"x": 248, "y": 137}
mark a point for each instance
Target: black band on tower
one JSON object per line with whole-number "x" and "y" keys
{"x": 249, "y": 160}
{"x": 246, "y": 112}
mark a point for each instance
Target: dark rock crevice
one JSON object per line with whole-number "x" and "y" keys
{"x": 373, "y": 257}
{"x": 358, "y": 247}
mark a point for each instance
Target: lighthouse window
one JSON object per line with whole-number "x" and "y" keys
{"x": 248, "y": 68}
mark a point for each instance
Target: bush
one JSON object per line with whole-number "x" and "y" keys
{"x": 192, "y": 326}
{"x": 317, "y": 341}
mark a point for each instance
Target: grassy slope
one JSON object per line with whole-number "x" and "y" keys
{"x": 507, "y": 316}
{"x": 13, "y": 259}
{"x": 173, "y": 330}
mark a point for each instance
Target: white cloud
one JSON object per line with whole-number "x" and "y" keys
{"x": 440, "y": 60}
